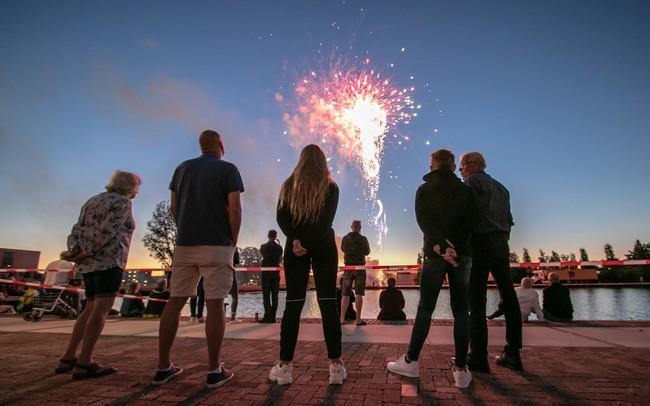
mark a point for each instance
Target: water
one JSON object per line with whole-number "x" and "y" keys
{"x": 625, "y": 303}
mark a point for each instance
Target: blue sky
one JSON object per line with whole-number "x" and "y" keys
{"x": 555, "y": 93}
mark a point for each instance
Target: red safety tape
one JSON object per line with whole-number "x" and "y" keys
{"x": 563, "y": 264}
{"x": 69, "y": 289}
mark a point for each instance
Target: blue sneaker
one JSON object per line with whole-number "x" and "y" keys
{"x": 216, "y": 379}
{"x": 163, "y": 376}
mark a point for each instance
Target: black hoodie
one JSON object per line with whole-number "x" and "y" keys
{"x": 446, "y": 209}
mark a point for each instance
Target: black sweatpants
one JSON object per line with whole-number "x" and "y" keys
{"x": 323, "y": 260}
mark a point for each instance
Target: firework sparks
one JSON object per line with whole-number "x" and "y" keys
{"x": 349, "y": 111}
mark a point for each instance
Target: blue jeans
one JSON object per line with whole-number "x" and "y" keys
{"x": 432, "y": 277}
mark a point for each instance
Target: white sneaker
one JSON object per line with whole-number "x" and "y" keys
{"x": 201, "y": 320}
{"x": 234, "y": 321}
{"x": 462, "y": 376}
{"x": 193, "y": 319}
{"x": 281, "y": 374}
{"x": 338, "y": 374}
{"x": 401, "y": 367}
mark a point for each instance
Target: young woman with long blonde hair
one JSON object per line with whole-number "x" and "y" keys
{"x": 306, "y": 210}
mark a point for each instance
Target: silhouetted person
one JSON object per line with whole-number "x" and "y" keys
{"x": 557, "y": 300}
{"x": 234, "y": 291}
{"x": 350, "y": 314}
{"x": 271, "y": 257}
{"x": 391, "y": 303}
{"x": 206, "y": 206}
{"x": 197, "y": 303}
{"x": 132, "y": 307}
{"x": 491, "y": 254}
{"x": 446, "y": 212}
{"x": 155, "y": 307}
{"x": 306, "y": 210}
{"x": 355, "y": 247}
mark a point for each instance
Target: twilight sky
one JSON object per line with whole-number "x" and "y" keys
{"x": 556, "y": 94}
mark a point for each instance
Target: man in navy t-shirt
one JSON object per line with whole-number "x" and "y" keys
{"x": 205, "y": 203}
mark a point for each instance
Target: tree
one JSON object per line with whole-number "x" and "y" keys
{"x": 609, "y": 253}
{"x": 514, "y": 258}
{"x": 564, "y": 257}
{"x": 572, "y": 257}
{"x": 160, "y": 238}
{"x": 420, "y": 259}
{"x": 526, "y": 256}
{"x": 250, "y": 256}
{"x": 583, "y": 255}
{"x": 555, "y": 257}
{"x": 542, "y": 256}
{"x": 640, "y": 251}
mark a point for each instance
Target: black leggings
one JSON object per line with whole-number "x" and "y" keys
{"x": 324, "y": 262}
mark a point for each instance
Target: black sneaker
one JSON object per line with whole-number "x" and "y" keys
{"x": 478, "y": 364}
{"x": 165, "y": 376}
{"x": 510, "y": 361}
{"x": 217, "y": 379}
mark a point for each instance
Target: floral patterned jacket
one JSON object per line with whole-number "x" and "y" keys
{"x": 104, "y": 230}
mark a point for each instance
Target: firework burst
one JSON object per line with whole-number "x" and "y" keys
{"x": 350, "y": 111}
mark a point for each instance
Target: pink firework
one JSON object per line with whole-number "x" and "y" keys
{"x": 349, "y": 112}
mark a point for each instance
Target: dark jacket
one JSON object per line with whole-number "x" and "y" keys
{"x": 156, "y": 307}
{"x": 557, "y": 301}
{"x": 311, "y": 236}
{"x": 271, "y": 254}
{"x": 445, "y": 209}
{"x": 131, "y": 307}
{"x": 493, "y": 203}
{"x": 391, "y": 303}
{"x": 355, "y": 247}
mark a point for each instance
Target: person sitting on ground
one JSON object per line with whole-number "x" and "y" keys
{"x": 391, "y": 303}
{"x": 557, "y": 300}
{"x": 5, "y": 308}
{"x": 132, "y": 307}
{"x": 350, "y": 314}
{"x": 528, "y": 302}
{"x": 155, "y": 307}
{"x": 59, "y": 272}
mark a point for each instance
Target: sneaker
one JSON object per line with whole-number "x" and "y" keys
{"x": 234, "y": 321}
{"x": 462, "y": 377}
{"x": 165, "y": 375}
{"x": 193, "y": 319}
{"x": 201, "y": 319}
{"x": 401, "y": 367}
{"x": 510, "y": 361}
{"x": 216, "y": 379}
{"x": 338, "y": 374}
{"x": 281, "y": 374}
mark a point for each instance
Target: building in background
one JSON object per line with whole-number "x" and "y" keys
{"x": 19, "y": 259}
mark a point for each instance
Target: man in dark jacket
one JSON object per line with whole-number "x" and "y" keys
{"x": 491, "y": 255}
{"x": 446, "y": 212}
{"x": 391, "y": 303}
{"x": 355, "y": 247}
{"x": 557, "y": 300}
{"x": 271, "y": 256}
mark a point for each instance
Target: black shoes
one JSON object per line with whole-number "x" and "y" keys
{"x": 217, "y": 379}
{"x": 165, "y": 375}
{"x": 510, "y": 361}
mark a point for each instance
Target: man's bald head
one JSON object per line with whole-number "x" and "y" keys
{"x": 210, "y": 142}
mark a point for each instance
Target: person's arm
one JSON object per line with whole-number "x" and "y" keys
{"x": 327, "y": 215}
{"x": 366, "y": 247}
{"x": 381, "y": 299}
{"x": 234, "y": 215}
{"x": 173, "y": 205}
{"x": 345, "y": 241}
{"x": 285, "y": 221}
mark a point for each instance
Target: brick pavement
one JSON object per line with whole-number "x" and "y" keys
{"x": 571, "y": 376}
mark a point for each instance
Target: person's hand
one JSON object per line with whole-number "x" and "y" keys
{"x": 449, "y": 255}
{"x": 298, "y": 249}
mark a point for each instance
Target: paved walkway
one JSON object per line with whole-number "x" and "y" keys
{"x": 564, "y": 365}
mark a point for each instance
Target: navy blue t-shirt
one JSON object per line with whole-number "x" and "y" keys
{"x": 202, "y": 185}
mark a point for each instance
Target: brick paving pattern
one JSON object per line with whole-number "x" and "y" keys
{"x": 570, "y": 376}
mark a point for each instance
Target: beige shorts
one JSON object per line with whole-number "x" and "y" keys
{"x": 212, "y": 262}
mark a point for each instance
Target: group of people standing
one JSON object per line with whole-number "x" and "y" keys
{"x": 466, "y": 226}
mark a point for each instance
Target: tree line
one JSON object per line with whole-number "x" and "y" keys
{"x": 639, "y": 251}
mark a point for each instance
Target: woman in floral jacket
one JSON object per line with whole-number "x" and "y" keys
{"x": 99, "y": 246}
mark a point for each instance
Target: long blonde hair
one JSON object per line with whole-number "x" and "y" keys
{"x": 305, "y": 190}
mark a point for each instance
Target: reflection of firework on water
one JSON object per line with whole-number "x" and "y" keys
{"x": 349, "y": 111}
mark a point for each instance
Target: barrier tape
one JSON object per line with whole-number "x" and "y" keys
{"x": 72, "y": 289}
{"x": 534, "y": 265}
